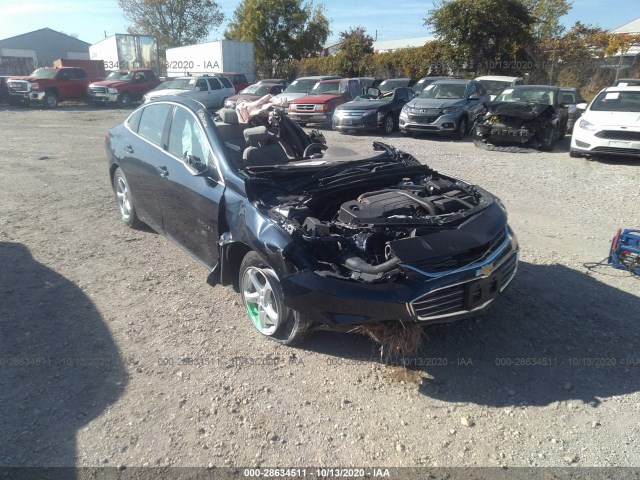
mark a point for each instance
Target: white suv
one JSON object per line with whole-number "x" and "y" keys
{"x": 210, "y": 90}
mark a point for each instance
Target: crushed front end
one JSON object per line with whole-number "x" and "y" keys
{"x": 388, "y": 239}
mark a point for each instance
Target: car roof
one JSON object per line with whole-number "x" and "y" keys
{"x": 569, "y": 89}
{"x": 621, "y": 89}
{"x": 498, "y": 77}
{"x": 539, "y": 87}
{"x": 461, "y": 81}
{"x": 319, "y": 77}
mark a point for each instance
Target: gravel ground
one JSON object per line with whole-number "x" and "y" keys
{"x": 114, "y": 351}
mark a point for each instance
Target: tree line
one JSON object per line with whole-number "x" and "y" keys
{"x": 474, "y": 37}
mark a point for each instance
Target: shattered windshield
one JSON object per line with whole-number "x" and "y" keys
{"x": 444, "y": 91}
{"x": 627, "y": 101}
{"x": 119, "y": 76}
{"x": 527, "y": 95}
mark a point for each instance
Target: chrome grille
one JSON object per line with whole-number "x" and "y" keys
{"x": 619, "y": 135}
{"x": 98, "y": 89}
{"x": 18, "y": 86}
{"x": 305, "y": 107}
{"x": 467, "y": 296}
{"x": 352, "y": 113}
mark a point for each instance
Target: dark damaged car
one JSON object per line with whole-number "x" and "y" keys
{"x": 310, "y": 236}
{"x": 525, "y": 115}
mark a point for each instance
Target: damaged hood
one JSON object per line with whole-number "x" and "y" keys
{"x": 322, "y": 98}
{"x": 523, "y": 110}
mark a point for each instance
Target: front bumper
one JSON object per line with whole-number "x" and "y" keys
{"x": 102, "y": 97}
{"x": 486, "y": 133}
{"x": 359, "y": 122}
{"x": 31, "y": 96}
{"x": 442, "y": 124}
{"x": 418, "y": 297}
{"x": 586, "y": 142}
{"x": 312, "y": 117}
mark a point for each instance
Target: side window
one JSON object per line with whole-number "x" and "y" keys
{"x": 472, "y": 90}
{"x": 80, "y": 73}
{"x": 404, "y": 94}
{"x": 134, "y": 120}
{"x": 481, "y": 90}
{"x": 140, "y": 77}
{"x": 151, "y": 76}
{"x": 65, "y": 75}
{"x": 214, "y": 84}
{"x": 187, "y": 141}
{"x": 152, "y": 122}
{"x": 201, "y": 85}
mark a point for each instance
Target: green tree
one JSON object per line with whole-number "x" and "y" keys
{"x": 355, "y": 44}
{"x": 280, "y": 29}
{"x": 547, "y": 14}
{"x": 482, "y": 35}
{"x": 173, "y": 22}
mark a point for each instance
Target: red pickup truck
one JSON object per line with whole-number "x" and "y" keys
{"x": 49, "y": 86}
{"x": 123, "y": 87}
{"x": 324, "y": 97}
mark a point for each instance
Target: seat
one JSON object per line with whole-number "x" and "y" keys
{"x": 260, "y": 151}
{"x": 230, "y": 130}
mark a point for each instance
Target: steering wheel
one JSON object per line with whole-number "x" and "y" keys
{"x": 320, "y": 146}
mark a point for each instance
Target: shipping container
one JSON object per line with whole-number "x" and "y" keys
{"x": 226, "y": 56}
{"x": 123, "y": 52}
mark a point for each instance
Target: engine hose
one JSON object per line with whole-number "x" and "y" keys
{"x": 428, "y": 206}
{"x": 357, "y": 264}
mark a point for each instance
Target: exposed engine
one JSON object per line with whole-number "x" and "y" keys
{"x": 513, "y": 122}
{"x": 349, "y": 232}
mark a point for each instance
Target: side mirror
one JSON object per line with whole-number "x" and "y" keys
{"x": 373, "y": 92}
{"x": 563, "y": 105}
{"x": 474, "y": 97}
{"x": 581, "y": 106}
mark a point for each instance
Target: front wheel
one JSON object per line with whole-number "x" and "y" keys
{"x": 263, "y": 299}
{"x": 388, "y": 125}
{"x": 462, "y": 128}
{"x": 124, "y": 200}
{"x": 124, "y": 100}
{"x": 50, "y": 100}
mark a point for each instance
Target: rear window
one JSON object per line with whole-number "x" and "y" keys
{"x": 226, "y": 82}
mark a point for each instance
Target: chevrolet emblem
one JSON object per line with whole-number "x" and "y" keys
{"x": 485, "y": 271}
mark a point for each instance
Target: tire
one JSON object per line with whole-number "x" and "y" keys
{"x": 388, "y": 125}
{"x": 263, "y": 299}
{"x": 50, "y": 100}
{"x": 547, "y": 146}
{"x": 124, "y": 200}
{"x": 124, "y": 100}
{"x": 462, "y": 129}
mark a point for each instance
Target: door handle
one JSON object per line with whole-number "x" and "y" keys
{"x": 128, "y": 149}
{"x": 163, "y": 171}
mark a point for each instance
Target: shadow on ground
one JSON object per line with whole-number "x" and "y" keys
{"x": 59, "y": 366}
{"x": 556, "y": 334}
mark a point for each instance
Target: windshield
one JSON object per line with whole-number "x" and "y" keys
{"x": 44, "y": 73}
{"x": 182, "y": 83}
{"x": 326, "y": 87}
{"x": 301, "y": 86}
{"x": 122, "y": 76}
{"x": 444, "y": 91}
{"x": 495, "y": 87}
{"x": 569, "y": 97}
{"x": 626, "y": 101}
{"x": 527, "y": 95}
{"x": 256, "y": 89}
{"x": 391, "y": 84}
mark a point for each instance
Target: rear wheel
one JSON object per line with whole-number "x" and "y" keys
{"x": 125, "y": 200}
{"x": 264, "y": 301}
{"x": 388, "y": 125}
{"x": 549, "y": 141}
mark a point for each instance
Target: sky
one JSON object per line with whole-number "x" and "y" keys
{"x": 95, "y": 19}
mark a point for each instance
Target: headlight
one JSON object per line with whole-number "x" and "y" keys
{"x": 406, "y": 109}
{"x": 450, "y": 110}
{"x": 34, "y": 86}
{"x": 112, "y": 90}
{"x": 587, "y": 125}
